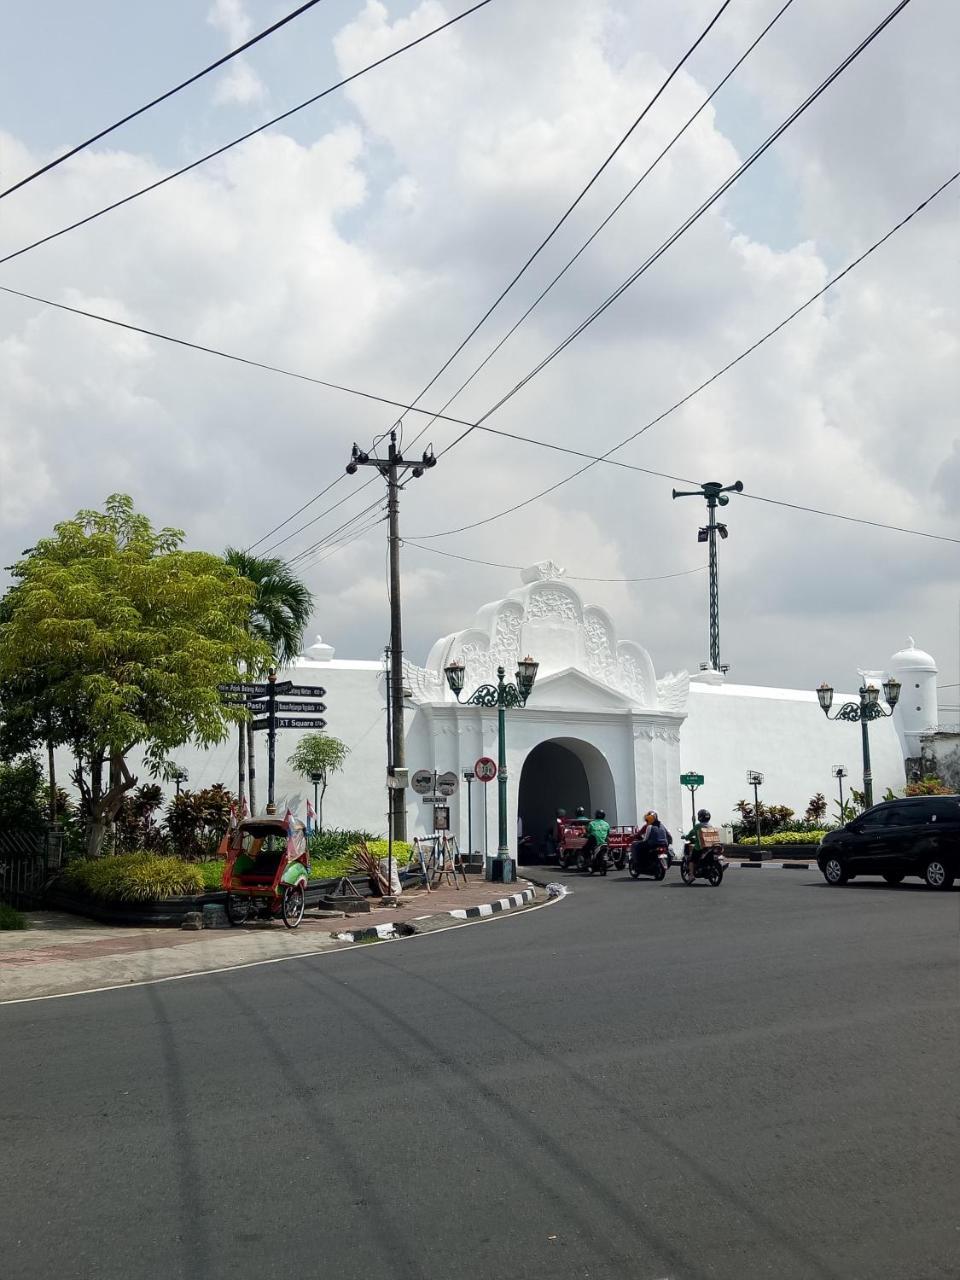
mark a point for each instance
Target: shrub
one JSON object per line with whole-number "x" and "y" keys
{"x": 134, "y": 877}
{"x": 10, "y": 918}
{"x": 336, "y": 844}
{"x": 786, "y": 837}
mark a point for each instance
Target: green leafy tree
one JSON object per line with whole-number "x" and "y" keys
{"x": 279, "y": 611}
{"x": 319, "y": 754}
{"x": 21, "y": 795}
{"x": 121, "y": 637}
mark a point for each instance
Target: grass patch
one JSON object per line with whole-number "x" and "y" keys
{"x": 11, "y": 918}
{"x": 135, "y": 877}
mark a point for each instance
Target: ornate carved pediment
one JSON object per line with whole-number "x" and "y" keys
{"x": 546, "y": 617}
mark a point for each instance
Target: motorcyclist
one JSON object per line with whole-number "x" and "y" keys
{"x": 654, "y": 832}
{"x": 694, "y": 838}
{"x": 580, "y": 816}
{"x": 598, "y": 832}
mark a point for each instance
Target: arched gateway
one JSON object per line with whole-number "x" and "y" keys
{"x": 598, "y": 719}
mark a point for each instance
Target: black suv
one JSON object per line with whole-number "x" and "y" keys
{"x": 918, "y": 836}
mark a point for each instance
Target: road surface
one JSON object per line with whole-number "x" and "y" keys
{"x": 641, "y": 1081}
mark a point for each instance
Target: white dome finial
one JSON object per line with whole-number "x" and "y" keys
{"x": 911, "y": 643}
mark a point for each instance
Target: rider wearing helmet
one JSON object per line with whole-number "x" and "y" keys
{"x": 694, "y": 837}
{"x": 598, "y": 831}
{"x": 655, "y": 832}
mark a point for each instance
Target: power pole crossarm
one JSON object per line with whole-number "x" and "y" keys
{"x": 393, "y": 468}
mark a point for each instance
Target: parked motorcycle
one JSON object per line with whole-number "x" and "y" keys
{"x": 648, "y": 860}
{"x": 591, "y": 860}
{"x": 711, "y": 865}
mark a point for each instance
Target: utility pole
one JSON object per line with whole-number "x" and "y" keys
{"x": 716, "y": 494}
{"x": 393, "y": 468}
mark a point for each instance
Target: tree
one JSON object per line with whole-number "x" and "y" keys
{"x": 319, "y": 754}
{"x": 115, "y": 638}
{"x": 279, "y": 611}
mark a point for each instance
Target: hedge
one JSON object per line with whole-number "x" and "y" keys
{"x": 134, "y": 877}
{"x": 787, "y": 837}
{"x": 320, "y": 868}
{"x": 10, "y": 918}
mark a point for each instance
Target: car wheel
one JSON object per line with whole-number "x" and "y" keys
{"x": 834, "y": 872}
{"x": 893, "y": 877}
{"x": 936, "y": 875}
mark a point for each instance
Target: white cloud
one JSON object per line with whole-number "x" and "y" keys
{"x": 363, "y": 252}
{"x": 239, "y": 84}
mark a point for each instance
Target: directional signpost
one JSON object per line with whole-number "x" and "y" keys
{"x": 261, "y": 700}
{"x": 692, "y": 781}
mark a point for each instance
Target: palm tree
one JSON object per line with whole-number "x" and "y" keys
{"x": 281, "y": 610}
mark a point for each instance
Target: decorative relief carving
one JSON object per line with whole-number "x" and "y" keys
{"x": 542, "y": 572}
{"x": 673, "y": 691}
{"x": 426, "y": 686}
{"x": 601, "y": 661}
{"x": 667, "y": 733}
{"x": 552, "y": 604}
{"x": 644, "y": 731}
{"x": 506, "y": 638}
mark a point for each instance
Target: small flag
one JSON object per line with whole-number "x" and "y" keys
{"x": 311, "y": 819}
{"x": 244, "y": 810}
{"x": 232, "y": 824}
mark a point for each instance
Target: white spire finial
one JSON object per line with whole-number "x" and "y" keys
{"x": 911, "y": 643}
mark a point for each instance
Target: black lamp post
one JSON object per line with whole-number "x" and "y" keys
{"x": 839, "y": 771}
{"x": 500, "y": 695}
{"x": 316, "y": 779}
{"x": 755, "y": 780}
{"x": 867, "y": 709}
{"x": 178, "y": 776}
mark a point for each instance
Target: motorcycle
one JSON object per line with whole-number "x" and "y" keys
{"x": 591, "y": 860}
{"x": 711, "y": 865}
{"x": 648, "y": 860}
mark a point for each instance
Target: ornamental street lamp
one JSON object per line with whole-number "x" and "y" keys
{"x": 867, "y": 709}
{"x": 500, "y": 695}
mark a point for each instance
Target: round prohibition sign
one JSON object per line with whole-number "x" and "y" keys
{"x": 485, "y": 769}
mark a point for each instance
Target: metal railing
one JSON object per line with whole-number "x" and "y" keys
{"x": 27, "y": 861}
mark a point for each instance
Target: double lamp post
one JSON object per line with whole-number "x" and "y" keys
{"x": 500, "y": 695}
{"x": 868, "y": 708}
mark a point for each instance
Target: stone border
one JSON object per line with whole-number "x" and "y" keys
{"x": 775, "y": 866}
{"x": 423, "y": 924}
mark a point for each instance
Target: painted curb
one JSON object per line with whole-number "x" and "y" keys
{"x": 402, "y": 928}
{"x": 775, "y": 866}
{"x": 491, "y": 908}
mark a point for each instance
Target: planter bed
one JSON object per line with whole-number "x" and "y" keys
{"x": 167, "y": 912}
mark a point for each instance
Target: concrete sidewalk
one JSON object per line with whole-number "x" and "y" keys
{"x": 61, "y": 954}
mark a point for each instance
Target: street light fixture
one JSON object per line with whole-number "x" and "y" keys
{"x": 755, "y": 780}
{"x": 839, "y": 771}
{"x": 500, "y": 695}
{"x": 867, "y": 709}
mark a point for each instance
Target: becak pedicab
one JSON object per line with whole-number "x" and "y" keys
{"x": 571, "y": 841}
{"x": 266, "y": 871}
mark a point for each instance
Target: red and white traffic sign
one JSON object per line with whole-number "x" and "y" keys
{"x": 485, "y": 769}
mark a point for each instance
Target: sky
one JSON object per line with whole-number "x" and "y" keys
{"x": 360, "y": 241}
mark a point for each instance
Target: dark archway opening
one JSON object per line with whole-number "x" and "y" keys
{"x": 553, "y": 777}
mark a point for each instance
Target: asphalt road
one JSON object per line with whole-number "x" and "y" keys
{"x": 640, "y": 1081}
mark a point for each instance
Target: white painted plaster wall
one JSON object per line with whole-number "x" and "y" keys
{"x": 783, "y": 733}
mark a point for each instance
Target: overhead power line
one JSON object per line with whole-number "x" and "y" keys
{"x": 212, "y": 155}
{"x": 573, "y": 205}
{"x": 607, "y": 457}
{"x": 691, "y": 220}
{"x": 493, "y": 564}
{"x": 610, "y": 216}
{"x": 593, "y": 459}
{"x": 154, "y": 102}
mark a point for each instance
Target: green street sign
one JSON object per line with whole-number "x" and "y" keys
{"x": 691, "y": 779}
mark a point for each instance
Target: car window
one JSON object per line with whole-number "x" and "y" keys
{"x": 874, "y": 820}
{"x": 906, "y": 815}
{"x": 942, "y": 811}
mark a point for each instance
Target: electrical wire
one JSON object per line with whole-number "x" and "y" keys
{"x": 607, "y": 220}
{"x": 343, "y": 544}
{"x": 493, "y": 564}
{"x": 319, "y": 545}
{"x": 211, "y": 155}
{"x": 606, "y": 457}
{"x": 689, "y": 221}
{"x": 570, "y": 208}
{"x": 154, "y": 102}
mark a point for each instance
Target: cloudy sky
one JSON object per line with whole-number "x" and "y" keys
{"x": 361, "y": 240}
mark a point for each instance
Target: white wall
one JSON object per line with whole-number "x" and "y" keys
{"x": 784, "y": 734}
